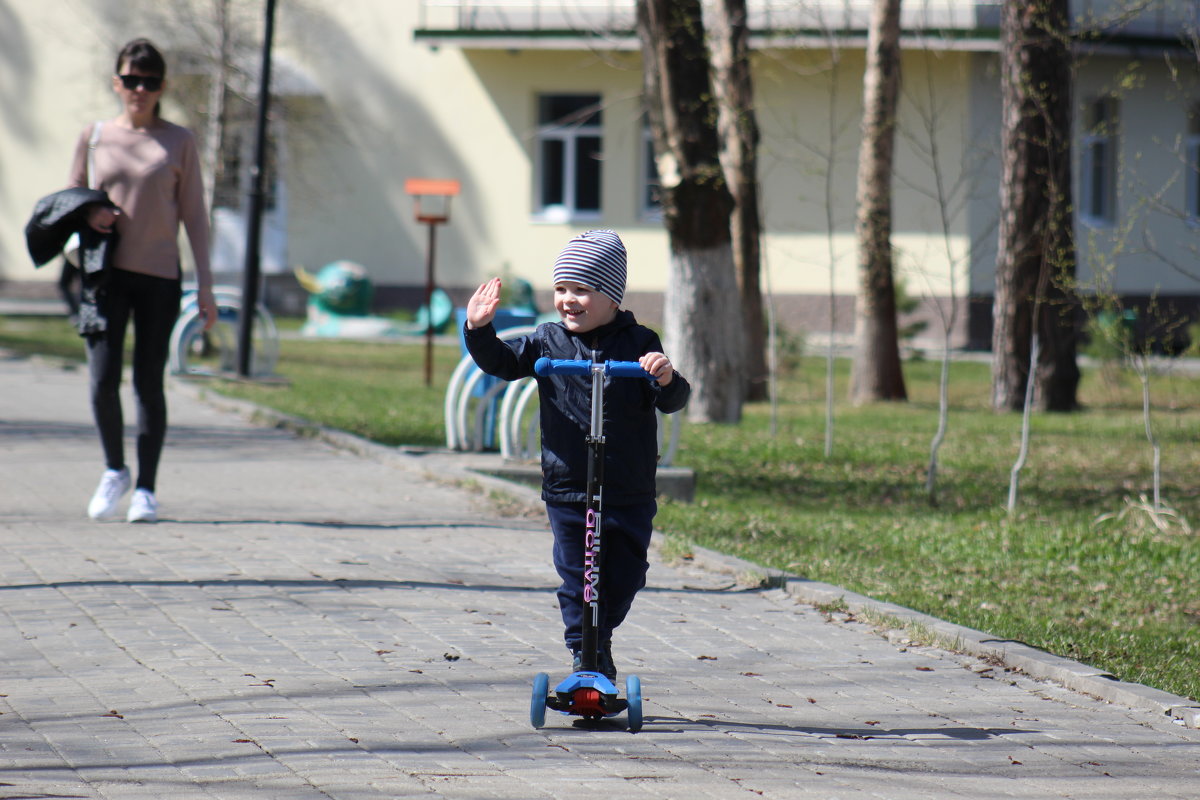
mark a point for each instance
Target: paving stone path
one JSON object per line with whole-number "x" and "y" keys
{"x": 306, "y": 622}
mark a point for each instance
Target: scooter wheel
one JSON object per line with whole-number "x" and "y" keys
{"x": 537, "y": 704}
{"x": 633, "y": 698}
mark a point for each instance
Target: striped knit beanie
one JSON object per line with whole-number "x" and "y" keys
{"x": 596, "y": 259}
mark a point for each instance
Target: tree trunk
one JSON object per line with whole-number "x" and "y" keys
{"x": 214, "y": 126}
{"x": 703, "y": 328}
{"x": 733, "y": 87}
{"x": 1035, "y": 261}
{"x": 877, "y": 374}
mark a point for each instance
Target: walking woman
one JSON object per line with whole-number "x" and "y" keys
{"x": 150, "y": 170}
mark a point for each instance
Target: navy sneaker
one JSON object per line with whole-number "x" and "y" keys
{"x": 605, "y": 667}
{"x": 608, "y": 667}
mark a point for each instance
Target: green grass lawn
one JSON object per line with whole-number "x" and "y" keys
{"x": 1120, "y": 594}
{"x": 1117, "y": 594}
{"x": 373, "y": 389}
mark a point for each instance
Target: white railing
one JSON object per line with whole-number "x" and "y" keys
{"x": 1158, "y": 18}
{"x": 507, "y": 15}
{"x": 765, "y": 15}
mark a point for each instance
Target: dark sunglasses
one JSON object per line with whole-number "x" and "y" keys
{"x": 151, "y": 83}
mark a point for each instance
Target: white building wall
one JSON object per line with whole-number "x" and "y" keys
{"x": 1150, "y": 248}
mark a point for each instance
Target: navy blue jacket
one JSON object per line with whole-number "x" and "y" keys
{"x": 630, "y": 425}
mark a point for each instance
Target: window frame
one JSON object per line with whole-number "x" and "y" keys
{"x": 648, "y": 181}
{"x": 1098, "y": 161}
{"x": 1191, "y": 167}
{"x": 571, "y": 137}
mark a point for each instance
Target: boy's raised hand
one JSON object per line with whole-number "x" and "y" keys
{"x": 481, "y": 308}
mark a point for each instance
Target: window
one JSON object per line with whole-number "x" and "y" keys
{"x": 651, "y": 187}
{"x": 569, "y": 156}
{"x": 1098, "y": 163}
{"x": 1191, "y": 166}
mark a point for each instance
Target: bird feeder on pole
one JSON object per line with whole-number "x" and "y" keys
{"x": 432, "y": 207}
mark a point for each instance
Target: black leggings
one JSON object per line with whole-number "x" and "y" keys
{"x": 68, "y": 287}
{"x": 153, "y": 303}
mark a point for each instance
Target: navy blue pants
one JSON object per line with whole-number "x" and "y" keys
{"x": 153, "y": 304}
{"x": 625, "y": 538}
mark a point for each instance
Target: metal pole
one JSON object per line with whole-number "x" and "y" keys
{"x": 429, "y": 304}
{"x": 250, "y": 277}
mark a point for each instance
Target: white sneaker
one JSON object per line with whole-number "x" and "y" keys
{"x": 113, "y": 486}
{"x": 142, "y": 506}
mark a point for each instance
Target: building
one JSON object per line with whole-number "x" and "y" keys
{"x": 534, "y": 105}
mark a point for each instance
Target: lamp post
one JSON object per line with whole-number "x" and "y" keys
{"x": 435, "y": 210}
{"x": 250, "y": 278}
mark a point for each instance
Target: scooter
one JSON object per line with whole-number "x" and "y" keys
{"x": 588, "y": 693}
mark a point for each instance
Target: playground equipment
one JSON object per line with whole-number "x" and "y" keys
{"x": 339, "y": 306}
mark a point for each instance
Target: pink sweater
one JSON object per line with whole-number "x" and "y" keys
{"x": 154, "y": 177}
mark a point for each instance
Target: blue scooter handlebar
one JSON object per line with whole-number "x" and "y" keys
{"x": 568, "y": 366}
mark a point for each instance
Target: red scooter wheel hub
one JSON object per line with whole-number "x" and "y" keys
{"x": 586, "y": 703}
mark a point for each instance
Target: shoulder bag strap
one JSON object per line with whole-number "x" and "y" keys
{"x": 91, "y": 155}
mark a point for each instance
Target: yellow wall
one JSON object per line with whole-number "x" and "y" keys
{"x": 391, "y": 108}
{"x": 809, "y": 109}
{"x": 54, "y": 70}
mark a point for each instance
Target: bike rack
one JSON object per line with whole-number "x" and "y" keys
{"x": 189, "y": 339}
{"x": 465, "y": 411}
{"x": 462, "y": 390}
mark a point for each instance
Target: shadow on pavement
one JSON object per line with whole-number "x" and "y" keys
{"x": 331, "y": 583}
{"x": 959, "y": 733}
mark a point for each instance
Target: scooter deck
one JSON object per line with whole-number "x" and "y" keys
{"x": 586, "y": 694}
